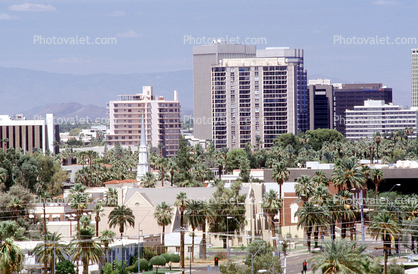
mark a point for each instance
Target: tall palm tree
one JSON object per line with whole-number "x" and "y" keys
{"x": 55, "y": 251}
{"x": 207, "y": 213}
{"x": 181, "y": 203}
{"x": 163, "y": 213}
{"x": 121, "y": 216}
{"x": 162, "y": 163}
{"x": 11, "y": 256}
{"x": 280, "y": 174}
{"x": 377, "y": 139}
{"x": 98, "y": 209}
{"x": 347, "y": 174}
{"x": 86, "y": 249}
{"x": 107, "y": 237}
{"x": 16, "y": 206}
{"x": 271, "y": 205}
{"x": 385, "y": 226}
{"x": 290, "y": 151}
{"x": 341, "y": 257}
{"x": 377, "y": 178}
{"x": 111, "y": 197}
{"x": 311, "y": 217}
{"x": 171, "y": 169}
{"x": 194, "y": 217}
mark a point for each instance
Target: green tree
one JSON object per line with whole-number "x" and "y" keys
{"x": 55, "y": 251}
{"x": 148, "y": 180}
{"x": 78, "y": 200}
{"x": 65, "y": 267}
{"x": 385, "y": 226}
{"x": 86, "y": 249}
{"x": 182, "y": 202}
{"x": 310, "y": 217}
{"x": 164, "y": 214}
{"x": 194, "y": 217}
{"x": 377, "y": 178}
{"x": 280, "y": 174}
{"x": 271, "y": 206}
{"x": 158, "y": 261}
{"x": 121, "y": 216}
{"x": 11, "y": 256}
{"x": 347, "y": 174}
{"x": 341, "y": 257}
{"x": 107, "y": 237}
{"x": 98, "y": 210}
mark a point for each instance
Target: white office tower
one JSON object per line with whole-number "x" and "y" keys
{"x": 414, "y": 77}
{"x": 143, "y": 165}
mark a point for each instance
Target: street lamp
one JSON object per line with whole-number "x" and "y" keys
{"x": 386, "y": 196}
{"x": 227, "y": 227}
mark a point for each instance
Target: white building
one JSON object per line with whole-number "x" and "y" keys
{"x": 376, "y": 116}
{"x": 28, "y": 134}
{"x": 162, "y": 120}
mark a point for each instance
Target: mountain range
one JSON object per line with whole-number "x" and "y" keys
{"x": 69, "y": 96}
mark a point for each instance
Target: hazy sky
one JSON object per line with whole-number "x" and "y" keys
{"x": 150, "y": 35}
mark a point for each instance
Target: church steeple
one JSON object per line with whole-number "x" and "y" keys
{"x": 143, "y": 165}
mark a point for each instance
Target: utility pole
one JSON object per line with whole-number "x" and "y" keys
{"x": 385, "y": 249}
{"x": 45, "y": 268}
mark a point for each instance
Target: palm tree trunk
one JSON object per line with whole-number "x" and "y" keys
{"x": 308, "y": 233}
{"x": 163, "y": 239}
{"x": 97, "y": 224}
{"x": 182, "y": 243}
{"x": 204, "y": 241}
{"x": 192, "y": 257}
{"x": 280, "y": 211}
{"x": 85, "y": 266}
{"x": 316, "y": 234}
{"x": 105, "y": 254}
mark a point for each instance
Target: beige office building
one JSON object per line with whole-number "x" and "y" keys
{"x": 414, "y": 77}
{"x": 162, "y": 120}
{"x": 253, "y": 97}
{"x": 204, "y": 57}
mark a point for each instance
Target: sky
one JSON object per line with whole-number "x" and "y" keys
{"x": 354, "y": 41}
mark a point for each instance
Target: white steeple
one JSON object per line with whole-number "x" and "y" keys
{"x": 143, "y": 165}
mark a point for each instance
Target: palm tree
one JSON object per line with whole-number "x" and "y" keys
{"x": 16, "y": 206}
{"x": 377, "y": 139}
{"x": 11, "y": 256}
{"x": 98, "y": 209}
{"x": 347, "y": 173}
{"x": 86, "y": 249}
{"x": 107, "y": 238}
{"x": 385, "y": 226}
{"x": 341, "y": 257}
{"x": 163, "y": 213}
{"x": 78, "y": 200}
{"x": 148, "y": 180}
{"x": 290, "y": 150}
{"x": 303, "y": 188}
{"x": 52, "y": 248}
{"x": 377, "y": 178}
{"x": 207, "y": 213}
{"x": 111, "y": 197}
{"x": 194, "y": 217}
{"x": 271, "y": 205}
{"x": 310, "y": 217}
{"x": 121, "y": 216}
{"x": 181, "y": 202}
{"x": 280, "y": 174}
{"x": 171, "y": 169}
{"x": 161, "y": 163}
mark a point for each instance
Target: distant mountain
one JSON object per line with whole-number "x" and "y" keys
{"x": 67, "y": 111}
{"x": 31, "y": 92}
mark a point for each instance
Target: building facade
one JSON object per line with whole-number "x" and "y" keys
{"x": 376, "y": 116}
{"x": 28, "y": 134}
{"x": 161, "y": 118}
{"x": 414, "y": 77}
{"x": 321, "y": 104}
{"x": 253, "y": 97}
{"x": 204, "y": 57}
{"x": 350, "y": 95}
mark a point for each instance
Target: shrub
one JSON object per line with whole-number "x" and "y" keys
{"x": 166, "y": 257}
{"x": 157, "y": 260}
{"x": 221, "y": 255}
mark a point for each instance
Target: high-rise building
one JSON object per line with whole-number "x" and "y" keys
{"x": 350, "y": 95}
{"x": 376, "y": 116}
{"x": 28, "y": 134}
{"x": 162, "y": 120}
{"x": 414, "y": 77}
{"x": 253, "y": 97}
{"x": 321, "y": 104}
{"x": 296, "y": 57}
{"x": 204, "y": 57}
